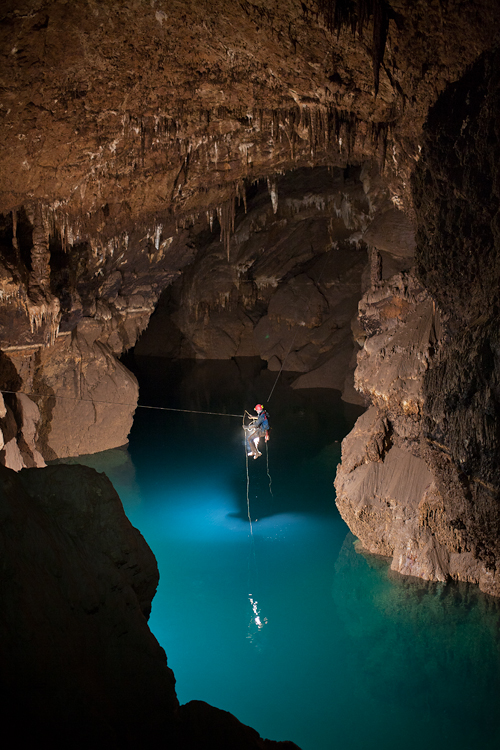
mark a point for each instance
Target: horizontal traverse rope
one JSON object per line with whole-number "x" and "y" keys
{"x": 136, "y": 406}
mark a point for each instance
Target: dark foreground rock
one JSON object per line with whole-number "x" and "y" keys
{"x": 79, "y": 666}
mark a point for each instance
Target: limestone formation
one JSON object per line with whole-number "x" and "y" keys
{"x": 288, "y": 289}
{"x": 386, "y": 492}
{"x": 419, "y": 477}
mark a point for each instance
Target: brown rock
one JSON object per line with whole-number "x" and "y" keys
{"x": 78, "y": 658}
{"x": 79, "y": 664}
{"x": 86, "y": 398}
{"x": 393, "y": 232}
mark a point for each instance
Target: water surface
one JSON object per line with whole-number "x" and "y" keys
{"x": 281, "y": 619}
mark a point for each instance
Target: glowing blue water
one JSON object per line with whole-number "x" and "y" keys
{"x": 289, "y": 627}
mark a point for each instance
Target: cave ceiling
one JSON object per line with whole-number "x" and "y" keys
{"x": 124, "y": 124}
{"x": 150, "y": 107}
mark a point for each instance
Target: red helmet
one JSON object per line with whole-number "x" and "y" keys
{"x": 259, "y": 407}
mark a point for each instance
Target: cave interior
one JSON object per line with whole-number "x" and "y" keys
{"x": 314, "y": 183}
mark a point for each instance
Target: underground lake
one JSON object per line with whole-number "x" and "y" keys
{"x": 267, "y": 607}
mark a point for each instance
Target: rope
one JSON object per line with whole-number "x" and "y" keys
{"x": 118, "y": 403}
{"x": 282, "y": 365}
{"x": 267, "y": 469}
{"x": 248, "y": 494}
{"x": 296, "y": 331}
{"x": 248, "y": 476}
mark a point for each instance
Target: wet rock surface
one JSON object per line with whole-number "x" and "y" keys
{"x": 419, "y": 477}
{"x": 386, "y": 492}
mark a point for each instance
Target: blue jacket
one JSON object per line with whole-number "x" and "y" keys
{"x": 262, "y": 420}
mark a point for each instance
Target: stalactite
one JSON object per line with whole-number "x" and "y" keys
{"x": 40, "y": 254}
{"x": 15, "y": 243}
{"x": 380, "y": 29}
{"x": 211, "y": 213}
{"x": 46, "y": 314}
{"x": 226, "y": 213}
{"x": 355, "y": 14}
{"x": 273, "y": 192}
{"x": 380, "y": 132}
{"x": 241, "y": 192}
{"x": 42, "y": 308}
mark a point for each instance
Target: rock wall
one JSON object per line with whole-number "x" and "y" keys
{"x": 79, "y": 665}
{"x": 419, "y": 477}
{"x": 78, "y": 660}
{"x": 462, "y": 399}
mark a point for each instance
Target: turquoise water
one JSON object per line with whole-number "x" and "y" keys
{"x": 284, "y": 622}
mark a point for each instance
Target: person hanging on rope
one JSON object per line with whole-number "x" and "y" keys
{"x": 259, "y": 428}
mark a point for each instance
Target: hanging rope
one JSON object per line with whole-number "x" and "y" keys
{"x": 248, "y": 476}
{"x": 247, "y": 414}
{"x": 248, "y": 496}
{"x": 296, "y": 331}
{"x": 267, "y": 469}
{"x": 117, "y": 403}
{"x": 282, "y": 365}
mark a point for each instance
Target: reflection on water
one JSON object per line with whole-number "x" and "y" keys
{"x": 257, "y": 622}
{"x": 292, "y": 628}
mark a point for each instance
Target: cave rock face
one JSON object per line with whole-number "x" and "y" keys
{"x": 386, "y": 492}
{"x": 284, "y": 286}
{"x": 77, "y": 585}
{"x": 95, "y": 397}
{"x": 419, "y": 479}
